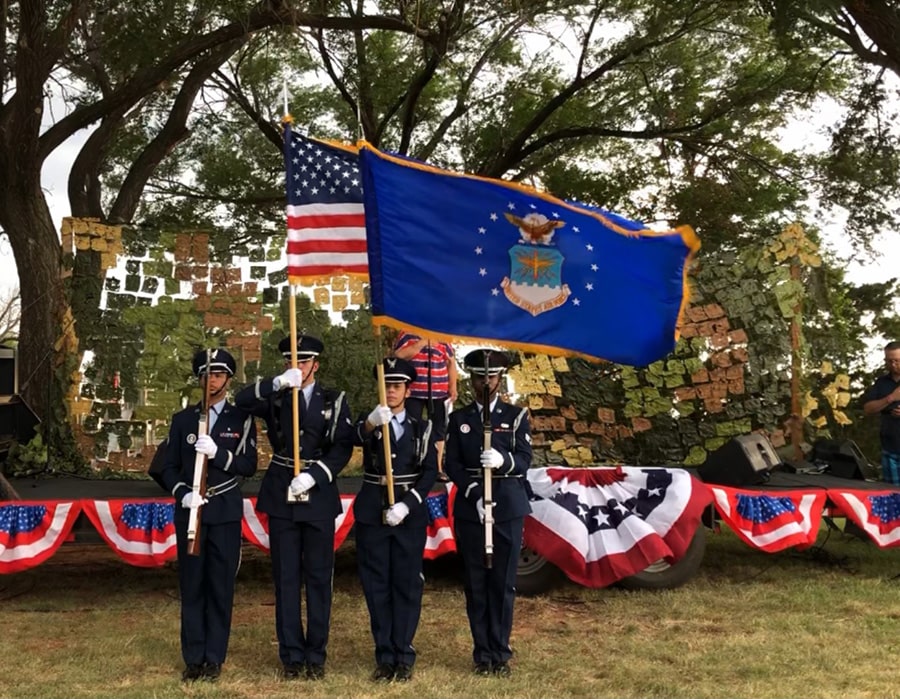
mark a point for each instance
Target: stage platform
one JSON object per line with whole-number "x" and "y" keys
{"x": 71, "y": 488}
{"x": 598, "y": 525}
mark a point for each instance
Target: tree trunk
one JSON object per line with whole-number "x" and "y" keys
{"x": 25, "y": 218}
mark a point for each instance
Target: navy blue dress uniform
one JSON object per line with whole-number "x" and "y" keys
{"x": 207, "y": 580}
{"x": 301, "y": 534}
{"x": 490, "y": 592}
{"x": 390, "y": 544}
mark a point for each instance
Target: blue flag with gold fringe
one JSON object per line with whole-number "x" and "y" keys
{"x": 476, "y": 259}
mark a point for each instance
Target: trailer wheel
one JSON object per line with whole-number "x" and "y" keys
{"x": 535, "y": 574}
{"x": 663, "y": 576}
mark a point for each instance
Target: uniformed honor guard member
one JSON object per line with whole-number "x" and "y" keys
{"x": 206, "y": 581}
{"x": 301, "y": 532}
{"x": 490, "y": 590}
{"x": 390, "y": 540}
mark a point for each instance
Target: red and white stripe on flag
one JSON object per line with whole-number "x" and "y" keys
{"x": 326, "y": 239}
{"x": 31, "y": 532}
{"x": 439, "y": 537}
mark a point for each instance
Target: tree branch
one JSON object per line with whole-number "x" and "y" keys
{"x": 264, "y": 15}
{"x": 851, "y": 38}
{"x": 882, "y": 26}
{"x": 516, "y": 150}
{"x": 4, "y": 23}
{"x": 84, "y": 176}
{"x": 172, "y": 133}
{"x": 447, "y": 23}
{"x": 234, "y": 91}
{"x": 460, "y": 108}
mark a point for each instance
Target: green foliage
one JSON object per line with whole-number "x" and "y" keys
{"x": 27, "y": 459}
{"x": 758, "y": 298}
{"x": 656, "y": 110}
{"x": 862, "y": 167}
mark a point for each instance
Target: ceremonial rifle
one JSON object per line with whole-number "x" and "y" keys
{"x": 488, "y": 473}
{"x": 200, "y": 467}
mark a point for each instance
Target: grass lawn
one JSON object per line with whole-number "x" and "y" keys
{"x": 820, "y": 623}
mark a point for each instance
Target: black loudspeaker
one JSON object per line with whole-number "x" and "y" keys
{"x": 844, "y": 459}
{"x": 745, "y": 460}
{"x": 8, "y": 371}
{"x": 17, "y": 420}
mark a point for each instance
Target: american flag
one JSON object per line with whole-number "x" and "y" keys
{"x": 439, "y": 537}
{"x": 325, "y": 217}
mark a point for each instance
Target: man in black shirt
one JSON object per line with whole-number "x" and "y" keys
{"x": 884, "y": 397}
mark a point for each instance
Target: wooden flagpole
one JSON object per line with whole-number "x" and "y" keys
{"x": 385, "y": 429}
{"x": 295, "y": 391}
{"x": 295, "y": 397}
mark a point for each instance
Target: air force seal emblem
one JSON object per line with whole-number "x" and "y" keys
{"x": 535, "y": 281}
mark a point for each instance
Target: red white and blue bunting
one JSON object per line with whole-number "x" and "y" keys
{"x": 598, "y": 525}
{"x": 255, "y": 526}
{"x": 31, "y": 532}
{"x": 141, "y": 532}
{"x": 875, "y": 512}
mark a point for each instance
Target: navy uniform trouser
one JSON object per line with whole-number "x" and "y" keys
{"x": 206, "y": 583}
{"x": 490, "y": 592}
{"x": 389, "y": 560}
{"x": 302, "y": 553}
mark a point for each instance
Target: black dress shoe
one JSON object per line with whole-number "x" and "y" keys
{"x": 315, "y": 672}
{"x": 293, "y": 671}
{"x": 482, "y": 669}
{"x": 191, "y": 673}
{"x": 403, "y": 673}
{"x": 211, "y": 671}
{"x": 502, "y": 669}
{"x": 443, "y": 477}
{"x": 383, "y": 673}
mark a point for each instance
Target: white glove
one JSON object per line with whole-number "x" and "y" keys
{"x": 491, "y": 459}
{"x": 292, "y": 378}
{"x": 479, "y": 508}
{"x": 381, "y": 415}
{"x": 300, "y": 484}
{"x": 396, "y": 514}
{"x": 192, "y": 499}
{"x": 206, "y": 445}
